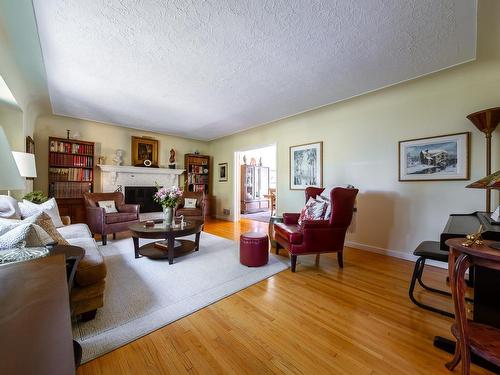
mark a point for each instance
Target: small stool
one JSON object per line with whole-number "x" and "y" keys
{"x": 254, "y": 249}
{"x": 428, "y": 250}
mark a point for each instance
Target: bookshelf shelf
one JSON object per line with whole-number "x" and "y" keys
{"x": 197, "y": 173}
{"x": 71, "y": 173}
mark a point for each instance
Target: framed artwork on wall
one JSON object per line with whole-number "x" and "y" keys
{"x": 30, "y": 145}
{"x": 306, "y": 165}
{"x": 223, "y": 172}
{"x": 439, "y": 158}
{"x": 144, "y": 152}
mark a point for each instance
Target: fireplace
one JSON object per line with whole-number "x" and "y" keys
{"x": 143, "y": 196}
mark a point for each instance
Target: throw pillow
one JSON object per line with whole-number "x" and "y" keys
{"x": 9, "y": 208}
{"x": 190, "y": 202}
{"x": 49, "y": 207}
{"x": 9, "y": 224}
{"x": 46, "y": 223}
{"x": 31, "y": 234}
{"x": 328, "y": 211}
{"x": 313, "y": 210}
{"x": 109, "y": 206}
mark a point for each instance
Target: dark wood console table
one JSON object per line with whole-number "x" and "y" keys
{"x": 35, "y": 328}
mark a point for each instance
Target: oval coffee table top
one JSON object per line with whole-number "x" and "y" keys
{"x": 159, "y": 229}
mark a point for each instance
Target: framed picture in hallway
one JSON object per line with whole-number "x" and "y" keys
{"x": 440, "y": 158}
{"x": 222, "y": 172}
{"x": 306, "y": 165}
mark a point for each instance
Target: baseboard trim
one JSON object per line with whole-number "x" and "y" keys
{"x": 393, "y": 253}
{"x": 224, "y": 217}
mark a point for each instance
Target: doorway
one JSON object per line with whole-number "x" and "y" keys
{"x": 255, "y": 183}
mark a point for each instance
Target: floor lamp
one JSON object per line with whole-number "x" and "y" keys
{"x": 10, "y": 178}
{"x": 486, "y": 121}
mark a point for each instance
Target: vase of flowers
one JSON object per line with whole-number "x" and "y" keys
{"x": 168, "y": 197}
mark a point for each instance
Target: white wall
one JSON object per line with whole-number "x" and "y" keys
{"x": 360, "y": 139}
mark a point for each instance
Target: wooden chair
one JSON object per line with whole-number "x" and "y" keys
{"x": 480, "y": 339}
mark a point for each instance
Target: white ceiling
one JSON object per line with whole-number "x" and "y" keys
{"x": 205, "y": 69}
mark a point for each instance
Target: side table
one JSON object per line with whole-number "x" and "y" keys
{"x": 473, "y": 337}
{"x": 73, "y": 255}
{"x": 273, "y": 219}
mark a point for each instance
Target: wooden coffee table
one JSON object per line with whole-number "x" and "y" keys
{"x": 168, "y": 235}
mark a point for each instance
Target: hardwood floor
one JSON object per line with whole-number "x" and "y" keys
{"x": 320, "y": 320}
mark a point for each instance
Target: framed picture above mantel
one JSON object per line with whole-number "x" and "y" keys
{"x": 144, "y": 152}
{"x": 439, "y": 158}
{"x": 306, "y": 165}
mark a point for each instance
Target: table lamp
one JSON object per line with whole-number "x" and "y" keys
{"x": 25, "y": 164}
{"x": 10, "y": 178}
{"x": 489, "y": 182}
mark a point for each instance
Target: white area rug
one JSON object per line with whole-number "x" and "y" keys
{"x": 143, "y": 295}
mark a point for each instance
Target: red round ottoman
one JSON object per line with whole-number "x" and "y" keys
{"x": 254, "y": 249}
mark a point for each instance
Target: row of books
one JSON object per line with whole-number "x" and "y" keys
{"x": 198, "y": 169}
{"x": 71, "y": 148}
{"x": 199, "y": 161}
{"x": 197, "y": 179}
{"x": 70, "y": 174}
{"x": 71, "y": 160}
{"x": 198, "y": 188}
{"x": 69, "y": 189}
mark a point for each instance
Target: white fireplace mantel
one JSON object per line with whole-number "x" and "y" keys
{"x": 114, "y": 176}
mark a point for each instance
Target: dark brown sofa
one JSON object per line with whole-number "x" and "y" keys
{"x": 102, "y": 223}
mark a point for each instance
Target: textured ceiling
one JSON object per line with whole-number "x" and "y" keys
{"x": 205, "y": 69}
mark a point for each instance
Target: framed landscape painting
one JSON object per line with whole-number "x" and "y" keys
{"x": 306, "y": 166}
{"x": 441, "y": 158}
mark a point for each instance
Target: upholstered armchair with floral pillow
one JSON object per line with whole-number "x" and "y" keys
{"x": 107, "y": 213}
{"x": 309, "y": 232}
{"x": 191, "y": 206}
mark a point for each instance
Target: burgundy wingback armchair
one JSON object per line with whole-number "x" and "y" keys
{"x": 102, "y": 223}
{"x": 317, "y": 236}
{"x": 197, "y": 213}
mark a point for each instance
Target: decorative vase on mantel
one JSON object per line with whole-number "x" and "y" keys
{"x": 168, "y": 216}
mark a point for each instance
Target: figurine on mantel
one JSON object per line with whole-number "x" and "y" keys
{"x": 118, "y": 159}
{"x": 171, "y": 160}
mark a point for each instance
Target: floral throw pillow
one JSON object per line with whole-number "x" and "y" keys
{"x": 328, "y": 211}
{"x": 190, "y": 202}
{"x": 109, "y": 206}
{"x": 313, "y": 210}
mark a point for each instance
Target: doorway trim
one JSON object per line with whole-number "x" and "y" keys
{"x": 237, "y": 177}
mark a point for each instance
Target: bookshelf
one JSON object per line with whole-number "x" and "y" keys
{"x": 71, "y": 173}
{"x": 197, "y": 172}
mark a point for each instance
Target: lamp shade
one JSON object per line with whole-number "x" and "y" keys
{"x": 491, "y": 181}
{"x": 10, "y": 179}
{"x": 25, "y": 163}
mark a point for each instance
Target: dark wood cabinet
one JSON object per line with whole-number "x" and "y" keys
{"x": 74, "y": 208}
{"x": 71, "y": 173}
{"x": 254, "y": 188}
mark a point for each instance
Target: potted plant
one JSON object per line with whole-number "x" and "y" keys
{"x": 168, "y": 197}
{"x": 36, "y": 197}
